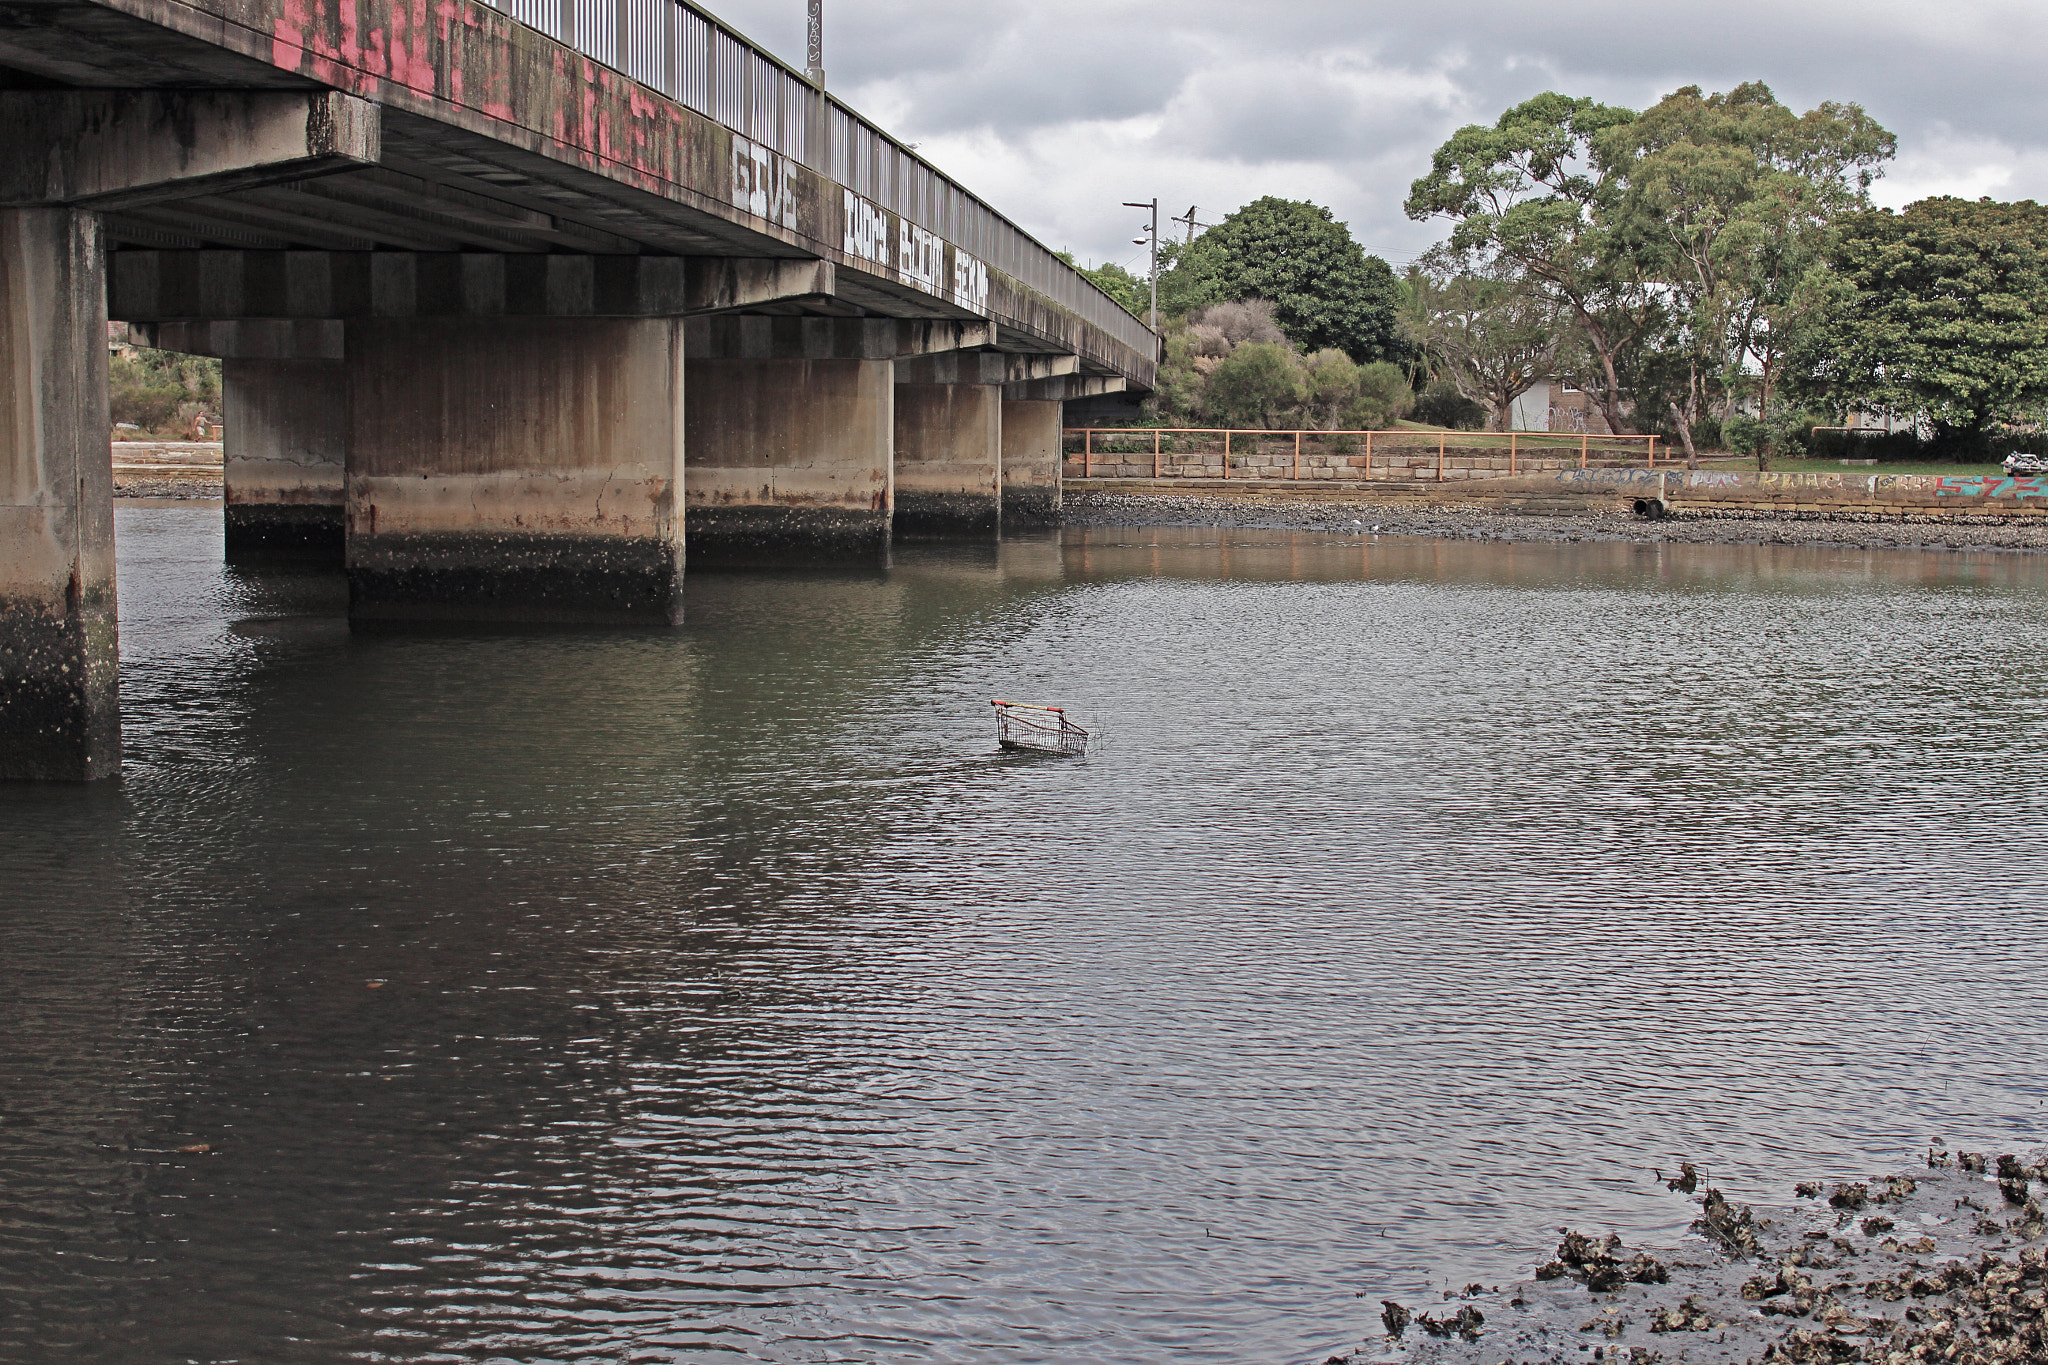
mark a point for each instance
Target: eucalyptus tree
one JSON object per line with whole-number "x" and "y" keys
{"x": 1725, "y": 201}
{"x": 1482, "y": 327}
{"x": 1531, "y": 193}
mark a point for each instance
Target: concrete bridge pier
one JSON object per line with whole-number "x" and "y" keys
{"x": 1031, "y": 460}
{"x": 284, "y": 401}
{"x": 285, "y": 458}
{"x": 792, "y": 428}
{"x": 59, "y": 657}
{"x": 953, "y": 443}
{"x": 515, "y": 469}
{"x": 949, "y": 445}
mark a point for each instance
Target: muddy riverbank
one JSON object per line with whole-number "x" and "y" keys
{"x": 1944, "y": 1263}
{"x": 1599, "y": 522}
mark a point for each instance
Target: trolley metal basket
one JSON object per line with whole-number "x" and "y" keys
{"x": 1042, "y": 728}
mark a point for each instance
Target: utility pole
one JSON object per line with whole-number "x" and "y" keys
{"x": 815, "y": 34}
{"x": 1189, "y": 219}
{"x": 1151, "y": 238}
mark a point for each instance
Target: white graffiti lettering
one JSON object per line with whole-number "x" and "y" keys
{"x": 970, "y": 282}
{"x": 761, "y": 183}
{"x": 867, "y": 230}
{"x": 920, "y": 255}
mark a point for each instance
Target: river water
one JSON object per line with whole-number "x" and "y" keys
{"x": 724, "y": 994}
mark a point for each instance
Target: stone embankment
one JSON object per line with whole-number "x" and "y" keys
{"x": 167, "y": 469}
{"x": 1662, "y": 493}
{"x": 1587, "y": 520}
{"x": 1942, "y": 1264}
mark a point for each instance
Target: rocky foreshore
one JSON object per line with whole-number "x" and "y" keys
{"x": 1600, "y": 522}
{"x": 1942, "y": 1264}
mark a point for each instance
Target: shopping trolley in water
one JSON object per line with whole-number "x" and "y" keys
{"x": 1045, "y": 728}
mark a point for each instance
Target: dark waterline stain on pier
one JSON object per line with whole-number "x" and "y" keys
{"x": 722, "y": 993}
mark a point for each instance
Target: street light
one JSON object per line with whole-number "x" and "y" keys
{"x": 1150, "y": 238}
{"x": 815, "y": 45}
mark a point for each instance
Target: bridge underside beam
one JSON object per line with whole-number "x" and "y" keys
{"x": 59, "y": 684}
{"x": 166, "y": 286}
{"x": 1063, "y": 388}
{"x": 984, "y": 367}
{"x": 784, "y": 338}
{"x": 110, "y": 149}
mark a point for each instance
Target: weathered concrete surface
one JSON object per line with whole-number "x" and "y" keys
{"x": 788, "y": 461}
{"x": 525, "y": 471}
{"x": 1031, "y": 461}
{"x": 59, "y": 684}
{"x": 949, "y": 459}
{"x": 284, "y": 471}
{"x": 128, "y": 148}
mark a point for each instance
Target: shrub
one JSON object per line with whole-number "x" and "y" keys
{"x": 1240, "y": 322}
{"x": 1254, "y": 384}
{"x": 1383, "y": 396}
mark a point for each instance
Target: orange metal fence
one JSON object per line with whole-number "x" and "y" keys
{"x": 1517, "y": 444}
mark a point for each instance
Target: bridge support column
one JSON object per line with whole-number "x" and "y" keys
{"x": 788, "y": 460}
{"x": 949, "y": 458}
{"x": 1031, "y": 461}
{"x": 59, "y": 661}
{"x": 515, "y": 469}
{"x": 286, "y": 442}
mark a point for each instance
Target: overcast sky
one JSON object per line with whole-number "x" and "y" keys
{"x": 1055, "y": 111}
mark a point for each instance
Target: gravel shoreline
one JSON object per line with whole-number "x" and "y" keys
{"x": 1597, "y": 523}
{"x": 1941, "y": 1264}
{"x": 183, "y": 486}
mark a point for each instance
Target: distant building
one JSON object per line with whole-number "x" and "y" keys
{"x": 1556, "y": 405}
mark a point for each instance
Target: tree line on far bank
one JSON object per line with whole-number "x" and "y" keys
{"x": 1710, "y": 269}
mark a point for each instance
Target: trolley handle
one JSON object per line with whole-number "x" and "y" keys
{"x": 1027, "y": 706}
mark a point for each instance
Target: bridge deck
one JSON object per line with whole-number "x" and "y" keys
{"x": 604, "y": 127}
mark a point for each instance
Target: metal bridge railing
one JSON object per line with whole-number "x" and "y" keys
{"x": 689, "y": 55}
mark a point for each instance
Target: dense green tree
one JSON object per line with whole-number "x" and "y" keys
{"x": 1131, "y": 293}
{"x": 1190, "y": 277}
{"x": 1326, "y": 292}
{"x": 1530, "y": 193}
{"x": 1941, "y": 308}
{"x": 1726, "y": 202}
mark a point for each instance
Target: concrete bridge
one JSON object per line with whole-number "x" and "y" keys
{"x": 505, "y": 297}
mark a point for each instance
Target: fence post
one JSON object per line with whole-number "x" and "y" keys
{"x": 1087, "y": 452}
{"x": 1584, "y": 440}
{"x": 1440, "y": 457}
{"x": 1155, "y": 452}
{"x": 1653, "y": 452}
{"x": 1368, "y": 455}
{"x": 1297, "y": 457}
{"x": 1512, "y": 439}
{"x": 1227, "y": 434}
